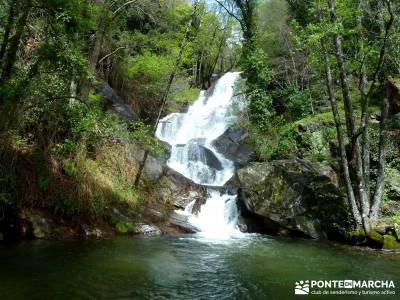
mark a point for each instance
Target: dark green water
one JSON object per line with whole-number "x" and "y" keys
{"x": 185, "y": 267}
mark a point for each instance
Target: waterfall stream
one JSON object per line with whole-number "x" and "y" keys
{"x": 191, "y": 137}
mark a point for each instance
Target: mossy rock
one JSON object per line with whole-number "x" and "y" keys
{"x": 357, "y": 235}
{"x": 380, "y": 229}
{"x": 390, "y": 242}
{"x": 376, "y": 237}
{"x": 124, "y": 228}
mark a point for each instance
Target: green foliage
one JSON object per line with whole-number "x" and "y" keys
{"x": 186, "y": 96}
{"x": 124, "y": 228}
{"x": 257, "y": 76}
{"x": 299, "y": 104}
{"x": 396, "y": 121}
{"x": 142, "y": 136}
{"x": 149, "y": 68}
{"x": 43, "y": 181}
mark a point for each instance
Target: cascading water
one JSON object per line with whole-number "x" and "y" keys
{"x": 191, "y": 135}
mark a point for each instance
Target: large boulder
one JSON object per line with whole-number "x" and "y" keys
{"x": 297, "y": 195}
{"x": 181, "y": 221}
{"x": 146, "y": 230}
{"x": 176, "y": 189}
{"x": 154, "y": 166}
{"x": 231, "y": 145}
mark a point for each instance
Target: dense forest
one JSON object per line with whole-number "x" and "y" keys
{"x": 84, "y": 84}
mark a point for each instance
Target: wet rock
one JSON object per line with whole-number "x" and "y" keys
{"x": 146, "y": 229}
{"x": 182, "y": 222}
{"x": 197, "y": 152}
{"x": 178, "y": 190}
{"x": 181, "y": 201}
{"x": 298, "y": 195}
{"x": 41, "y": 227}
{"x": 198, "y": 203}
{"x": 311, "y": 227}
{"x": 89, "y": 231}
{"x": 231, "y": 145}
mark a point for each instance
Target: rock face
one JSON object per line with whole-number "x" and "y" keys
{"x": 294, "y": 195}
{"x": 39, "y": 224}
{"x": 154, "y": 167}
{"x": 178, "y": 190}
{"x": 181, "y": 221}
{"x": 114, "y": 101}
{"x": 230, "y": 144}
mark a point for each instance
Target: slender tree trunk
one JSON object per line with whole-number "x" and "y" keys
{"x": 15, "y": 42}
{"x": 220, "y": 47}
{"x": 380, "y": 180}
{"x": 363, "y": 87}
{"x": 94, "y": 54}
{"x": 7, "y": 30}
{"x": 340, "y": 137}
{"x": 350, "y": 121}
{"x": 337, "y": 42}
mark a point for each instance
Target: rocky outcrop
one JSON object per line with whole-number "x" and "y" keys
{"x": 112, "y": 100}
{"x": 178, "y": 190}
{"x": 39, "y": 224}
{"x": 146, "y": 229}
{"x": 154, "y": 166}
{"x": 231, "y": 145}
{"x": 295, "y": 195}
{"x": 181, "y": 221}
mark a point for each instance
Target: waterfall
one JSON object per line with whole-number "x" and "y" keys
{"x": 191, "y": 135}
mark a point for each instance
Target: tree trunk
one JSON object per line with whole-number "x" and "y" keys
{"x": 363, "y": 87}
{"x": 94, "y": 54}
{"x": 7, "y": 30}
{"x": 15, "y": 42}
{"x": 380, "y": 180}
{"x": 364, "y": 203}
{"x": 340, "y": 137}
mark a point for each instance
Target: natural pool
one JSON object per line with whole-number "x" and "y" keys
{"x": 184, "y": 267}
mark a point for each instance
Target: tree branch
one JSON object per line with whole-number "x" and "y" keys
{"x": 229, "y": 12}
{"x": 108, "y": 55}
{"x": 388, "y": 26}
{"x": 115, "y": 13}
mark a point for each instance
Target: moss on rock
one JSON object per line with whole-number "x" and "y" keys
{"x": 124, "y": 228}
{"x": 390, "y": 242}
{"x": 375, "y": 237}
